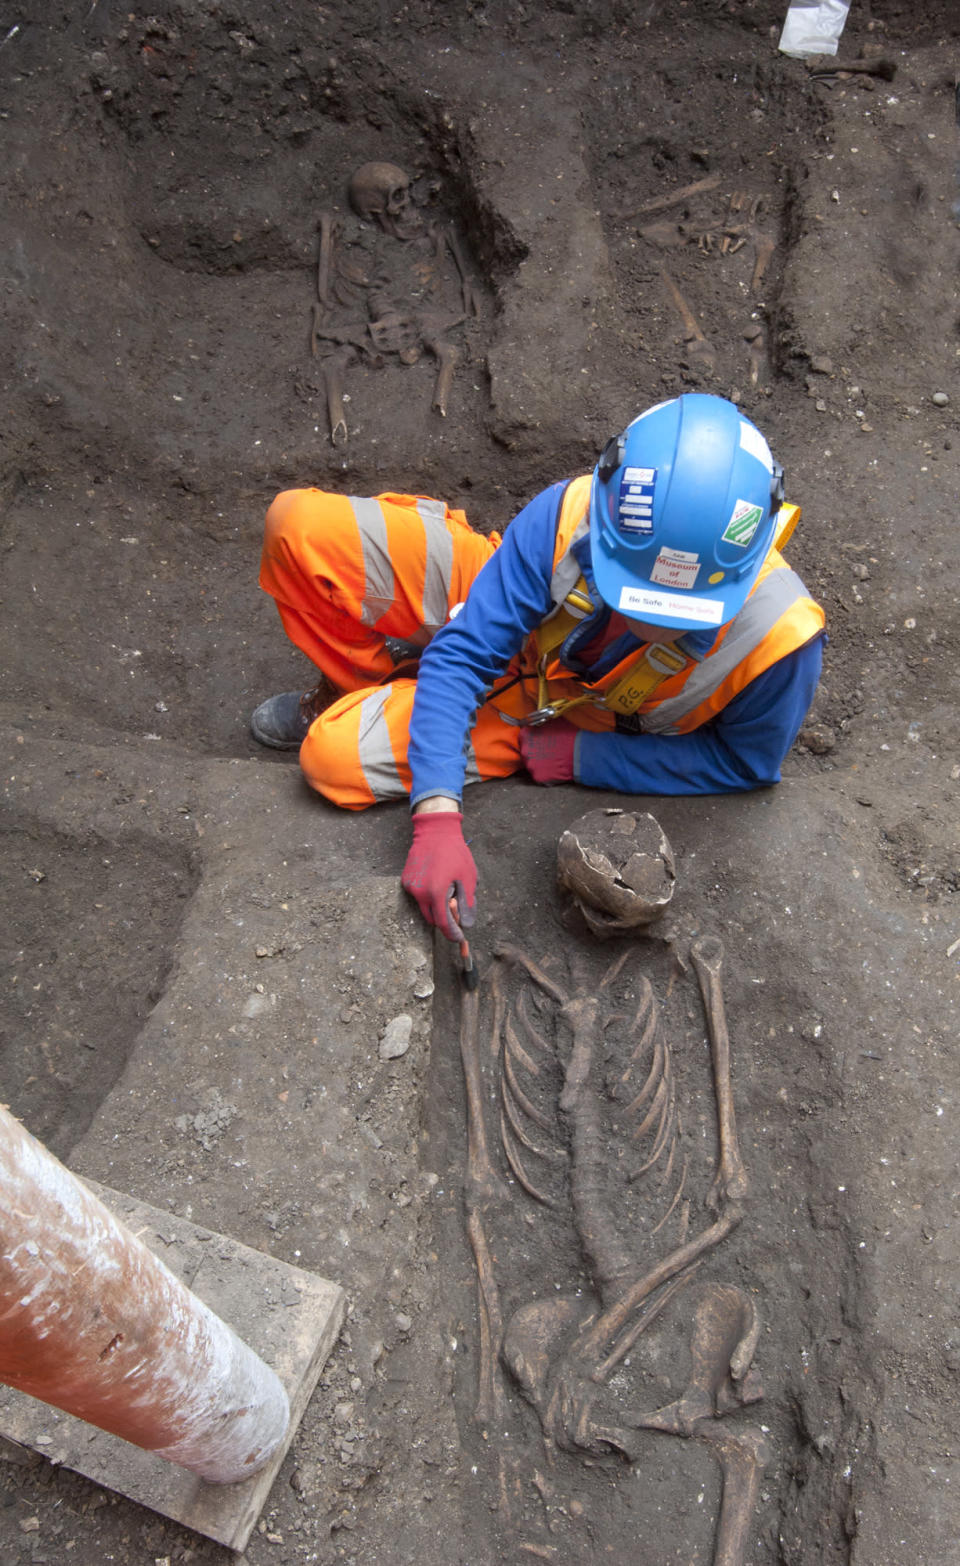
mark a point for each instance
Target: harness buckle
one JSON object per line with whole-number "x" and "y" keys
{"x": 533, "y": 720}
{"x": 665, "y": 659}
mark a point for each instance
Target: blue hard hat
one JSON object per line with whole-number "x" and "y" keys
{"x": 683, "y": 509}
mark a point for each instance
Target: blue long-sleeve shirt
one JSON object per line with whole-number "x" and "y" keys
{"x": 741, "y": 748}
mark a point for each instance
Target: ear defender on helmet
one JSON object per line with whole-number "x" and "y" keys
{"x": 776, "y": 489}
{"x": 682, "y": 513}
{"x": 611, "y": 458}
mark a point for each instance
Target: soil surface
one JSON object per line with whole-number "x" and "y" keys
{"x": 201, "y": 960}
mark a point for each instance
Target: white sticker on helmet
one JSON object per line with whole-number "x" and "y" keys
{"x": 752, "y": 441}
{"x": 641, "y": 601}
{"x": 635, "y": 506}
{"x": 675, "y": 568}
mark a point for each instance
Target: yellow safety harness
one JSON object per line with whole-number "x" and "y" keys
{"x": 653, "y": 664}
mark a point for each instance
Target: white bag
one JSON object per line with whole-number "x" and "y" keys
{"x": 813, "y": 27}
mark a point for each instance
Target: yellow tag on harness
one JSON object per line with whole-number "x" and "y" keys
{"x": 575, "y": 607}
{"x": 655, "y": 664}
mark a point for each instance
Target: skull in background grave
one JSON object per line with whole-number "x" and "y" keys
{"x": 382, "y": 191}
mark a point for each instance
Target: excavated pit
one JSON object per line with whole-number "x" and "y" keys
{"x": 89, "y": 931}
{"x": 195, "y": 988}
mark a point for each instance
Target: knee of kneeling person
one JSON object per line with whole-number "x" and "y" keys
{"x": 329, "y": 768}
{"x": 282, "y": 514}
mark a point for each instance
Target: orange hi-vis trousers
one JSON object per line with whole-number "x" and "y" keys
{"x": 346, "y": 573}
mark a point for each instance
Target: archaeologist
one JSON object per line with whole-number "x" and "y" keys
{"x": 636, "y": 629}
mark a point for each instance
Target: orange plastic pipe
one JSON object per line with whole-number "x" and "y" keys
{"x": 92, "y": 1322}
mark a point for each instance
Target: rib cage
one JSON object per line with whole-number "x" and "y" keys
{"x": 588, "y": 1115}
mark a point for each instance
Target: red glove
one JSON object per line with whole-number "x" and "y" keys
{"x": 440, "y": 866}
{"x": 547, "y": 751}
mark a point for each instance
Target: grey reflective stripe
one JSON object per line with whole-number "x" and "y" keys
{"x": 774, "y": 596}
{"x": 438, "y": 570}
{"x": 379, "y": 587}
{"x": 567, "y": 572}
{"x": 472, "y": 772}
{"x": 374, "y": 751}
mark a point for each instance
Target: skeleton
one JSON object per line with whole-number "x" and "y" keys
{"x": 741, "y": 226}
{"x": 564, "y": 1352}
{"x": 738, "y": 228}
{"x": 378, "y": 322}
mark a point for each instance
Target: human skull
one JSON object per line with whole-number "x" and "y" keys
{"x": 382, "y": 191}
{"x": 619, "y": 868}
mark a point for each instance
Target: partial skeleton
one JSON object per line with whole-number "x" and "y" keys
{"x": 364, "y": 310}
{"x": 588, "y": 1122}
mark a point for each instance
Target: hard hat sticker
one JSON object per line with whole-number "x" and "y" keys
{"x": 675, "y": 568}
{"x": 635, "y": 508}
{"x": 751, "y": 440}
{"x": 743, "y": 523}
{"x": 642, "y": 601}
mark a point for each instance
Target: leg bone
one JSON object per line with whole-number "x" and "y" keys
{"x": 490, "y": 1399}
{"x": 328, "y": 230}
{"x": 764, "y": 246}
{"x": 742, "y": 1455}
{"x": 446, "y": 356}
{"x": 693, "y": 336}
{"x": 333, "y": 372}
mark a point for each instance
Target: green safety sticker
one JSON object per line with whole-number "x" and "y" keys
{"x": 743, "y": 524}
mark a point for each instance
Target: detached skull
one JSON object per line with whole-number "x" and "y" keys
{"x": 382, "y": 191}
{"x": 619, "y": 868}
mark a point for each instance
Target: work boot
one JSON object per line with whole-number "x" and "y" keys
{"x": 282, "y": 721}
{"x": 403, "y": 653}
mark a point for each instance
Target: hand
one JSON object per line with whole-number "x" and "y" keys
{"x": 547, "y": 751}
{"x": 440, "y": 866}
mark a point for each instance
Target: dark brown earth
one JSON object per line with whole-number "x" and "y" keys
{"x": 199, "y": 957}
